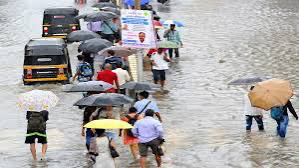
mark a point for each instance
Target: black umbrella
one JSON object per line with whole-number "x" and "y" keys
{"x": 102, "y": 16}
{"x": 83, "y": 16}
{"x": 104, "y": 99}
{"x": 81, "y": 35}
{"x": 246, "y": 81}
{"x": 104, "y": 4}
{"x": 98, "y": 16}
{"x": 90, "y": 86}
{"x": 140, "y": 86}
{"x": 94, "y": 45}
{"x": 111, "y": 9}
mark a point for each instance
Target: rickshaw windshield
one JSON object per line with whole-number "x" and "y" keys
{"x": 60, "y": 19}
{"x": 45, "y": 60}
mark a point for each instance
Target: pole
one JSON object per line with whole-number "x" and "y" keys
{"x": 140, "y": 52}
{"x": 137, "y": 4}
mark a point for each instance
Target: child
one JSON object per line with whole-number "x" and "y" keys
{"x": 252, "y": 112}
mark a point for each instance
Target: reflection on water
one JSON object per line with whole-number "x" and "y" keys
{"x": 203, "y": 117}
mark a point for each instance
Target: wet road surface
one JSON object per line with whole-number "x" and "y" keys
{"x": 202, "y": 116}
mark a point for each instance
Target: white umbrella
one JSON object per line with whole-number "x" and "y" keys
{"x": 37, "y": 100}
{"x": 119, "y": 51}
{"x": 90, "y": 86}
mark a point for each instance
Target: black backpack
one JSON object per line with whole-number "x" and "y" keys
{"x": 114, "y": 61}
{"x": 162, "y": 1}
{"x": 131, "y": 121}
{"x": 36, "y": 122}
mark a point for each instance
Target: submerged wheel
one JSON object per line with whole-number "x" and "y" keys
{"x": 27, "y": 83}
{"x": 65, "y": 82}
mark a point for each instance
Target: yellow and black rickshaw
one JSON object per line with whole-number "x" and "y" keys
{"x": 46, "y": 59}
{"x": 58, "y": 22}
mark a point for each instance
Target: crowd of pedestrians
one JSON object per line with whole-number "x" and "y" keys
{"x": 144, "y": 114}
{"x": 147, "y": 131}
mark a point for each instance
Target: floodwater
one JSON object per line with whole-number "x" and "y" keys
{"x": 203, "y": 117}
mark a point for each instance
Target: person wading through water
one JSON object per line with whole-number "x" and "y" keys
{"x": 128, "y": 136}
{"x": 150, "y": 134}
{"x": 144, "y": 104}
{"x": 36, "y": 129}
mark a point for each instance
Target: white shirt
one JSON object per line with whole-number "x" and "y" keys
{"x": 160, "y": 63}
{"x": 249, "y": 110}
{"x": 122, "y": 75}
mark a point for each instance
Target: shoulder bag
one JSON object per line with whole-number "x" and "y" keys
{"x": 115, "y": 34}
{"x": 113, "y": 152}
{"x": 145, "y": 107}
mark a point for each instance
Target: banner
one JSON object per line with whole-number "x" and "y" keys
{"x": 137, "y": 29}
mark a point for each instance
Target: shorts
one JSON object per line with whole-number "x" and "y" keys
{"x": 154, "y": 145}
{"x": 110, "y": 135}
{"x": 159, "y": 75}
{"x": 40, "y": 139}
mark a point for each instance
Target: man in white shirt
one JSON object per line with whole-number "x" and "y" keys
{"x": 252, "y": 112}
{"x": 123, "y": 77}
{"x": 160, "y": 65}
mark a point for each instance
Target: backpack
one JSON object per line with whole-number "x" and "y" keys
{"x": 114, "y": 61}
{"x": 162, "y": 1}
{"x": 131, "y": 121}
{"x": 36, "y": 122}
{"x": 85, "y": 70}
{"x": 277, "y": 112}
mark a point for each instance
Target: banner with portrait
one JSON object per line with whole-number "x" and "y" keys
{"x": 137, "y": 29}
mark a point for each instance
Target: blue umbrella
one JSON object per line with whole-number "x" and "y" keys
{"x": 132, "y": 2}
{"x": 167, "y": 23}
{"x": 246, "y": 81}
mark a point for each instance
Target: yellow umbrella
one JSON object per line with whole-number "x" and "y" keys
{"x": 108, "y": 124}
{"x": 271, "y": 93}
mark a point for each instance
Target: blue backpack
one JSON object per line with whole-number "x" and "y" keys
{"x": 277, "y": 112}
{"x": 85, "y": 70}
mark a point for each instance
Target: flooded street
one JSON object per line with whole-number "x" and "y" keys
{"x": 203, "y": 116}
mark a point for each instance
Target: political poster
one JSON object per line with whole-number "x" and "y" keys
{"x": 137, "y": 29}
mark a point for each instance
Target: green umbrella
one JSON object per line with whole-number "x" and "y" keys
{"x": 167, "y": 44}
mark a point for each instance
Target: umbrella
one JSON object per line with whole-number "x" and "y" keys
{"x": 104, "y": 4}
{"x": 157, "y": 24}
{"x": 140, "y": 86}
{"x": 167, "y": 44}
{"x": 84, "y": 16}
{"x": 111, "y": 9}
{"x": 104, "y": 99}
{"x": 90, "y": 86}
{"x": 94, "y": 45}
{"x": 81, "y": 35}
{"x": 271, "y": 93}
{"x": 119, "y": 51}
{"x": 98, "y": 16}
{"x": 132, "y": 2}
{"x": 167, "y": 23}
{"x": 37, "y": 100}
{"x": 246, "y": 81}
{"x": 108, "y": 124}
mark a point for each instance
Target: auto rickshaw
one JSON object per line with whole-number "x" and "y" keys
{"x": 46, "y": 59}
{"x": 58, "y": 22}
